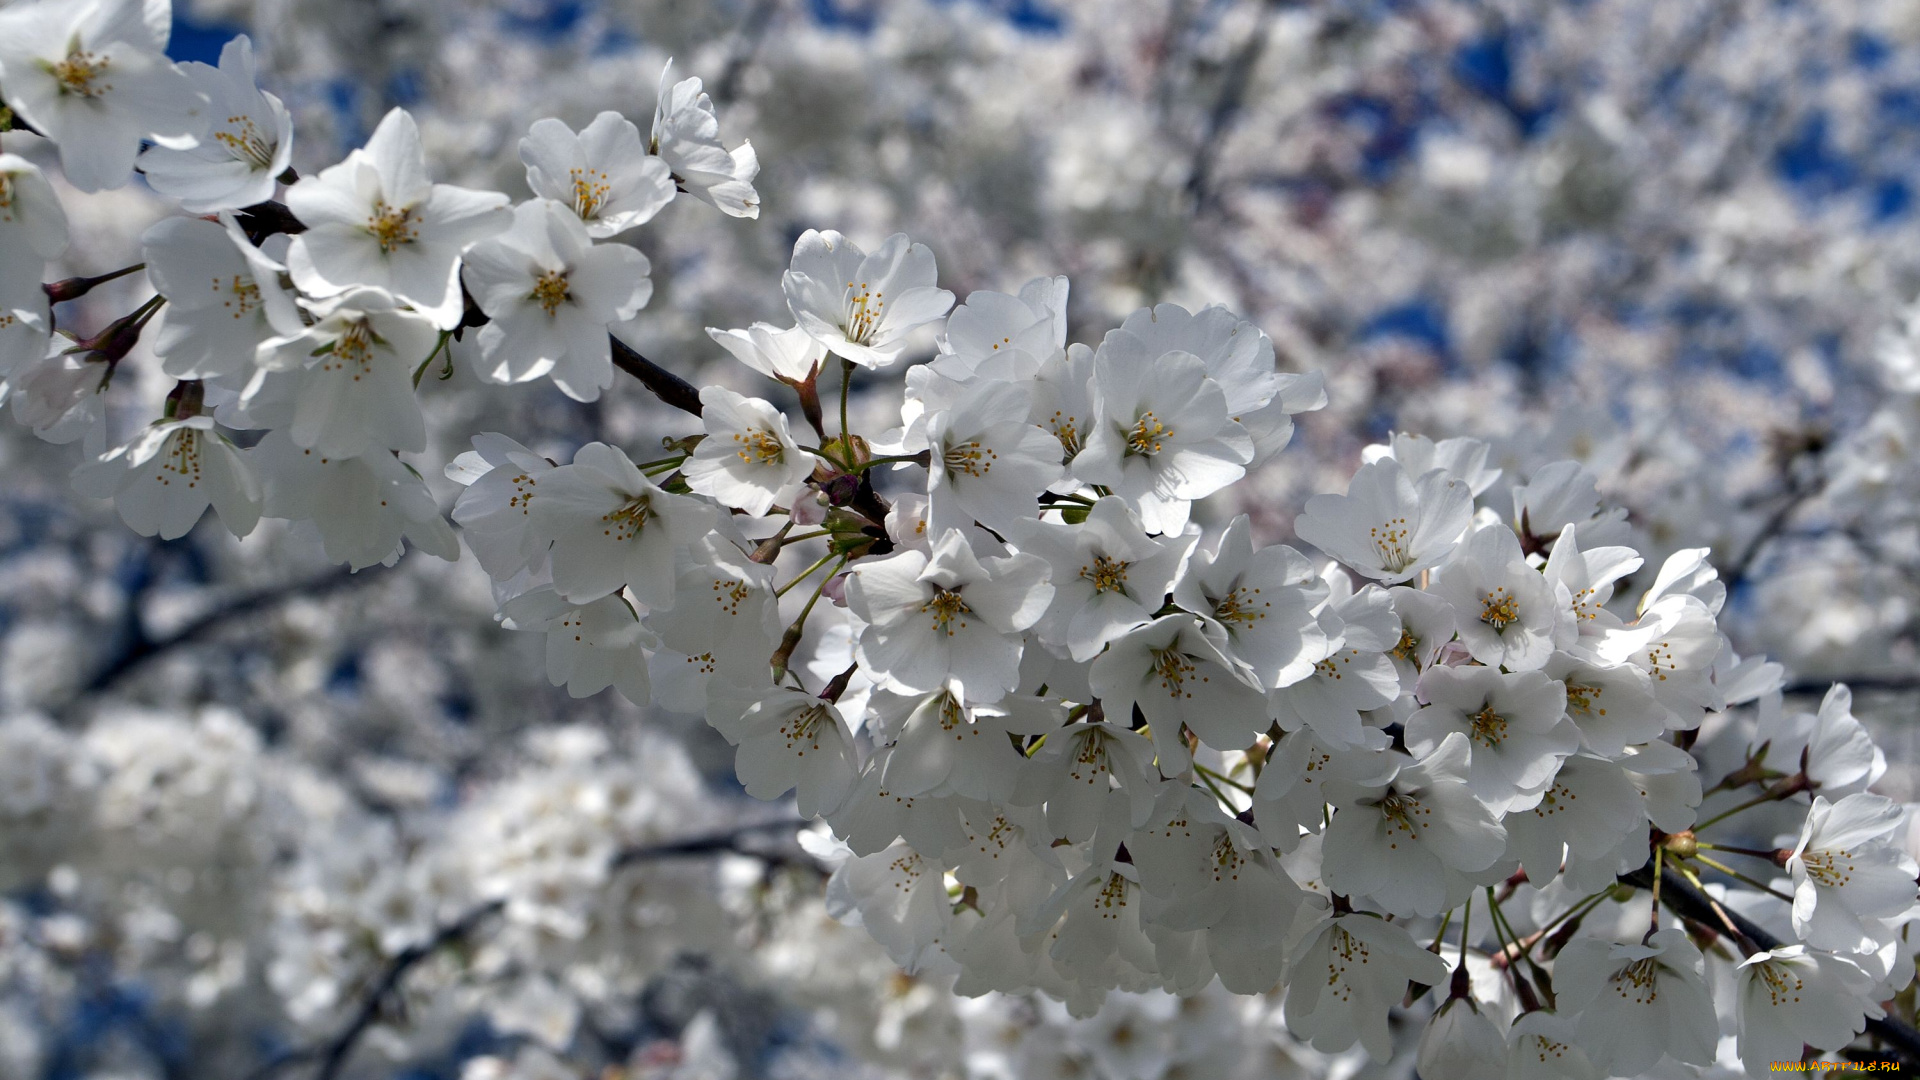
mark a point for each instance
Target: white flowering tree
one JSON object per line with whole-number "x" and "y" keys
{"x": 1469, "y": 781}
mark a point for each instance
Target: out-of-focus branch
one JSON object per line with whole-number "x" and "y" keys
{"x": 142, "y": 648}
{"x": 333, "y": 1054}
{"x": 1233, "y": 97}
{"x": 665, "y": 385}
{"x": 734, "y": 841}
{"x": 1891, "y": 684}
{"x": 1680, "y": 896}
{"x": 746, "y": 43}
{"x": 1796, "y": 496}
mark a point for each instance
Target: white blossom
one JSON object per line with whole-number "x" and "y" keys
{"x": 375, "y": 220}
{"x": 247, "y": 145}
{"x": 603, "y": 172}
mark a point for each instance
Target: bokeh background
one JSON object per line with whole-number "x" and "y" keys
{"x": 1672, "y": 240}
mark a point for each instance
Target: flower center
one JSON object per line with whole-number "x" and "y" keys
{"x": 246, "y": 294}
{"x": 1107, "y": 575}
{"x": 392, "y": 226}
{"x": 1830, "y": 867}
{"x": 1067, "y": 430}
{"x": 759, "y": 447}
{"x": 550, "y": 291}
{"x": 1406, "y": 646}
{"x": 1638, "y": 982}
{"x": 1227, "y": 860}
{"x": 1390, "y": 543}
{"x": 522, "y": 496}
{"x": 1782, "y": 982}
{"x": 730, "y": 593}
{"x": 630, "y": 520}
{"x": 1488, "y": 728}
{"x": 1583, "y": 699}
{"x": 351, "y": 351}
{"x": 1090, "y": 762}
{"x": 1113, "y": 895}
{"x": 1174, "y": 669}
{"x": 1147, "y": 435}
{"x": 946, "y": 606}
{"x": 1403, "y": 814}
{"x": 803, "y": 727}
{"x": 1499, "y": 609}
{"x": 863, "y": 313}
{"x": 970, "y": 458}
{"x": 590, "y": 190}
{"x": 1240, "y": 608}
{"x": 79, "y": 74}
{"x": 243, "y": 139}
{"x": 182, "y": 459}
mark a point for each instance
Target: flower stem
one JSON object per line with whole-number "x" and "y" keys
{"x": 804, "y": 575}
{"x": 1736, "y": 875}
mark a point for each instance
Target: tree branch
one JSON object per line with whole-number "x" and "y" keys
{"x": 665, "y": 385}
{"x": 143, "y": 648}
{"x": 1678, "y": 894}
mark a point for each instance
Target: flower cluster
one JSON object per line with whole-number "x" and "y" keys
{"x": 1066, "y": 739}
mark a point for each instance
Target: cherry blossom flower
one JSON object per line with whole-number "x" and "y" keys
{"x": 986, "y": 463}
{"x": 788, "y": 740}
{"x": 1174, "y": 674}
{"x": 589, "y": 647}
{"x": 1257, "y": 605}
{"x": 1354, "y": 675}
{"x": 363, "y": 507}
{"x": 861, "y": 307}
{"x": 1791, "y": 998}
{"x": 612, "y": 526}
{"x": 603, "y": 172}
{"x": 686, "y": 135}
{"x": 94, "y": 77}
{"x": 1505, "y": 610}
{"x": 1410, "y": 841}
{"x": 1389, "y": 525}
{"x": 163, "y": 480}
{"x": 1638, "y": 1002}
{"x": 792, "y": 355}
{"x": 550, "y": 294}
{"x": 247, "y": 146}
{"x": 224, "y": 298}
{"x": 948, "y": 616}
{"x": 749, "y": 458}
{"x": 948, "y": 748}
{"x": 375, "y": 220}
{"x": 343, "y": 385}
{"x": 1161, "y": 434}
{"x": 1418, "y": 455}
{"x": 1460, "y": 1043}
{"x": 1108, "y": 575}
{"x": 495, "y": 512}
{"x": 1347, "y": 973}
{"x": 1515, "y": 725}
{"x": 1848, "y": 872}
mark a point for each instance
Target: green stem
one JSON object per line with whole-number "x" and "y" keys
{"x": 1730, "y": 872}
{"x": 804, "y": 575}
{"x": 1758, "y": 800}
{"x": 846, "y": 433}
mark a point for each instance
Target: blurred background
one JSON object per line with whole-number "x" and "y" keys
{"x": 238, "y": 787}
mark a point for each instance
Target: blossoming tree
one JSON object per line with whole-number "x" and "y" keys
{"x": 1058, "y": 738}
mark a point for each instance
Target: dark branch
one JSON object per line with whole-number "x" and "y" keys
{"x": 787, "y": 853}
{"x": 142, "y": 648}
{"x": 1678, "y": 894}
{"x": 334, "y": 1053}
{"x": 1890, "y": 684}
{"x": 665, "y": 385}
{"x": 397, "y": 968}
